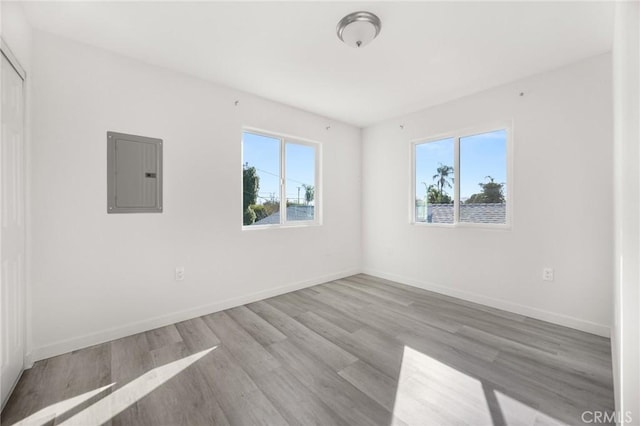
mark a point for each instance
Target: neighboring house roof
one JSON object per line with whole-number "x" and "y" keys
{"x": 473, "y": 213}
{"x": 293, "y": 213}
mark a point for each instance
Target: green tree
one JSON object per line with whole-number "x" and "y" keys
{"x": 259, "y": 210}
{"x": 309, "y": 193}
{"x": 436, "y": 196}
{"x": 442, "y": 177}
{"x": 271, "y": 206}
{"x": 492, "y": 192}
{"x": 248, "y": 216}
{"x": 250, "y": 187}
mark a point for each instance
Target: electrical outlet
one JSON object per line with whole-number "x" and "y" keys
{"x": 547, "y": 274}
{"x": 179, "y": 273}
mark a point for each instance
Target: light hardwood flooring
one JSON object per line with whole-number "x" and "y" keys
{"x": 356, "y": 351}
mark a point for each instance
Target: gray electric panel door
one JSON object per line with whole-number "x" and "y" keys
{"x": 134, "y": 174}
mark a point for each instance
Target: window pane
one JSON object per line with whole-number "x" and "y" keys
{"x": 434, "y": 181}
{"x": 483, "y": 177}
{"x": 300, "y": 181}
{"x": 261, "y": 180}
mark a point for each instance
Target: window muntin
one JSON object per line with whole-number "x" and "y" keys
{"x": 462, "y": 179}
{"x": 279, "y": 181}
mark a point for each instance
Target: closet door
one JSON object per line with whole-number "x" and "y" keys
{"x": 12, "y": 229}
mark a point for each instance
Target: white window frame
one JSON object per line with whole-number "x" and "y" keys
{"x": 284, "y": 140}
{"x": 456, "y": 136}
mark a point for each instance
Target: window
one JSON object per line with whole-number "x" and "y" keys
{"x": 279, "y": 181}
{"x": 462, "y": 179}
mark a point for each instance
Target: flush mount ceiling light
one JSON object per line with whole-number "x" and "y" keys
{"x": 358, "y": 29}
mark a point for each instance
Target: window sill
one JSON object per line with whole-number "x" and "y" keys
{"x": 497, "y": 227}
{"x": 305, "y": 224}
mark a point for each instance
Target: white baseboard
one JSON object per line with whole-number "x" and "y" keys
{"x": 505, "y": 305}
{"x": 76, "y": 343}
{"x": 28, "y": 360}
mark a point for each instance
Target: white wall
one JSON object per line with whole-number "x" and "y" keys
{"x": 626, "y": 330}
{"x": 562, "y": 201}
{"x": 99, "y": 276}
{"x": 16, "y": 31}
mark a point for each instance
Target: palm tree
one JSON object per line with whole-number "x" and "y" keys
{"x": 442, "y": 177}
{"x": 309, "y": 193}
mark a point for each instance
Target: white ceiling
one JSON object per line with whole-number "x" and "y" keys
{"x": 427, "y": 52}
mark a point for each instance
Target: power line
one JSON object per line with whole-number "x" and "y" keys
{"x": 278, "y": 176}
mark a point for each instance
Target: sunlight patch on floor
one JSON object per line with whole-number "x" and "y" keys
{"x": 516, "y": 412}
{"x": 50, "y": 412}
{"x": 430, "y": 392}
{"x": 119, "y": 400}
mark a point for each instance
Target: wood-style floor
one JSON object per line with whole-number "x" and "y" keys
{"x": 356, "y": 351}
